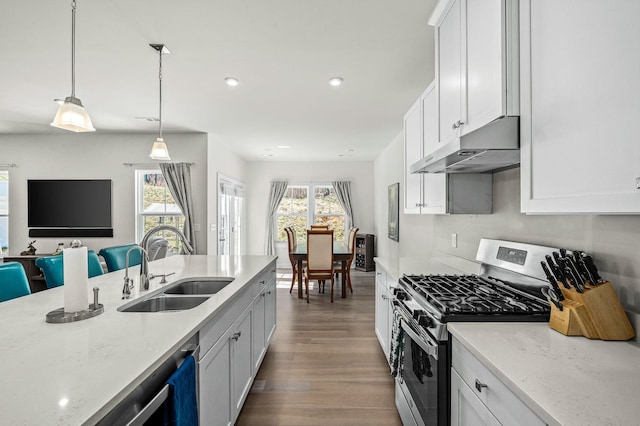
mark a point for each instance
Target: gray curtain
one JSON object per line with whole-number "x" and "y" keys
{"x": 278, "y": 189}
{"x": 178, "y": 178}
{"x": 343, "y": 192}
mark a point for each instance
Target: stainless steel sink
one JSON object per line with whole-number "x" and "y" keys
{"x": 162, "y": 303}
{"x": 198, "y": 286}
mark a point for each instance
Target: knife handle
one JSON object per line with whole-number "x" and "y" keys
{"x": 552, "y": 280}
{"x": 588, "y": 261}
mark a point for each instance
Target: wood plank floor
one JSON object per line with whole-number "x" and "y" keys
{"x": 325, "y": 365}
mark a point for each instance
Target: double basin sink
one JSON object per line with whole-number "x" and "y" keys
{"x": 178, "y": 296}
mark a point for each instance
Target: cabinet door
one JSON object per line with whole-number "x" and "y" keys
{"x": 258, "y": 331}
{"x": 486, "y": 67}
{"x": 434, "y": 185}
{"x": 270, "y": 311}
{"x": 241, "y": 361}
{"x": 580, "y": 107}
{"x": 466, "y": 407}
{"x": 214, "y": 381}
{"x": 382, "y": 311}
{"x": 412, "y": 154}
{"x": 449, "y": 71}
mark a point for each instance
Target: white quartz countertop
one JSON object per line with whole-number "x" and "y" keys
{"x": 75, "y": 373}
{"x": 564, "y": 380}
{"x": 441, "y": 264}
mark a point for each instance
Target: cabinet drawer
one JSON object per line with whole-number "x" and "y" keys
{"x": 502, "y": 403}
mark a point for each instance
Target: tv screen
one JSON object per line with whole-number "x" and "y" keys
{"x": 74, "y": 203}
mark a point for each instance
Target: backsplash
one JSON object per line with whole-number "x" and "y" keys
{"x": 614, "y": 241}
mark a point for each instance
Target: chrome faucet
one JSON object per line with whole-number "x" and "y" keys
{"x": 145, "y": 240}
{"x": 144, "y": 273}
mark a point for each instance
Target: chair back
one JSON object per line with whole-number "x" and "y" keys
{"x": 319, "y": 250}
{"x": 115, "y": 256}
{"x": 13, "y": 281}
{"x": 352, "y": 238}
{"x": 53, "y": 268}
{"x": 319, "y": 226}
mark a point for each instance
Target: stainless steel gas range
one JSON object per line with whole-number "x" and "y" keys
{"x": 508, "y": 288}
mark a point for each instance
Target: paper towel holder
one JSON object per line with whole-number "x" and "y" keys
{"x": 60, "y": 316}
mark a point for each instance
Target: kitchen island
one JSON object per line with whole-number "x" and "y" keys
{"x": 75, "y": 373}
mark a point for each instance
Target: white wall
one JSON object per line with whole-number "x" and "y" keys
{"x": 614, "y": 241}
{"x": 95, "y": 155}
{"x": 220, "y": 160}
{"x": 261, "y": 174}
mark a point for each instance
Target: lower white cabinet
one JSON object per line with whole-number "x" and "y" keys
{"x": 214, "y": 377}
{"x": 264, "y": 319}
{"x": 384, "y": 308}
{"x": 233, "y": 345}
{"x": 478, "y": 397}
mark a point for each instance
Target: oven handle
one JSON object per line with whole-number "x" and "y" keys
{"x": 428, "y": 346}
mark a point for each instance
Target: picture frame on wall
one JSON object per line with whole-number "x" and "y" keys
{"x": 394, "y": 211}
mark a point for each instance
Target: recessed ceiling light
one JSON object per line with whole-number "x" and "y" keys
{"x": 232, "y": 81}
{"x": 335, "y": 81}
{"x": 283, "y": 146}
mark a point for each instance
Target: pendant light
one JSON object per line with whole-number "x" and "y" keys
{"x": 159, "y": 149}
{"x": 71, "y": 115}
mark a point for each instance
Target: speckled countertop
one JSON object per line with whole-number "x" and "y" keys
{"x": 75, "y": 373}
{"x": 564, "y": 380}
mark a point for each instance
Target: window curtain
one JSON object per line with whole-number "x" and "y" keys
{"x": 278, "y": 189}
{"x": 178, "y": 178}
{"x": 343, "y": 192}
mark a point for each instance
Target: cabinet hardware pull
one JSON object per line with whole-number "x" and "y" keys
{"x": 237, "y": 335}
{"x": 479, "y": 385}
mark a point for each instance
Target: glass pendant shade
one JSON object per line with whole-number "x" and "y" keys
{"x": 72, "y": 116}
{"x": 159, "y": 151}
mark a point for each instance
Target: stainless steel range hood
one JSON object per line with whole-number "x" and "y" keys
{"x": 489, "y": 148}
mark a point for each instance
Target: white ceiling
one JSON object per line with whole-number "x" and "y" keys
{"x": 283, "y": 52}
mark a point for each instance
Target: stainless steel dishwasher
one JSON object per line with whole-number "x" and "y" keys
{"x": 147, "y": 399}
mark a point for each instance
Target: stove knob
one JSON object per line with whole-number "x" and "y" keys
{"x": 424, "y": 321}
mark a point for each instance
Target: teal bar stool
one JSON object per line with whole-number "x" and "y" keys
{"x": 53, "y": 268}
{"x": 114, "y": 256}
{"x": 13, "y": 281}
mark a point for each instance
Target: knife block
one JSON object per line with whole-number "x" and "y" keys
{"x": 595, "y": 314}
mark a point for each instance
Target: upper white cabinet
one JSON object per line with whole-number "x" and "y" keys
{"x": 423, "y": 193}
{"x": 477, "y": 66}
{"x": 580, "y": 121}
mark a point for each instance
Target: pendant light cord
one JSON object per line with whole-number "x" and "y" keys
{"x": 160, "y": 79}
{"x": 73, "y": 48}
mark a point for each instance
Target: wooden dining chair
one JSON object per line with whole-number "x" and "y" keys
{"x": 351, "y": 241}
{"x": 319, "y": 258}
{"x": 291, "y": 242}
{"x": 319, "y": 226}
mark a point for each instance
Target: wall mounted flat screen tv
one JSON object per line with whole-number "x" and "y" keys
{"x": 69, "y": 204}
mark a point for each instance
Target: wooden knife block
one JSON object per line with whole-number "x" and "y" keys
{"x": 595, "y": 314}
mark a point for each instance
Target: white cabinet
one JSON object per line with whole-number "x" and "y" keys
{"x": 385, "y": 285}
{"x": 233, "y": 345}
{"x": 478, "y": 397}
{"x": 477, "y": 64}
{"x": 215, "y": 383}
{"x": 264, "y": 318}
{"x": 423, "y": 193}
{"x": 242, "y": 367}
{"x": 580, "y": 121}
{"x": 226, "y": 373}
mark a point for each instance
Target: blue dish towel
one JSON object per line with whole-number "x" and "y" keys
{"x": 182, "y": 405}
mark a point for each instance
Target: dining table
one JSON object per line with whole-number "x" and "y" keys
{"x": 341, "y": 253}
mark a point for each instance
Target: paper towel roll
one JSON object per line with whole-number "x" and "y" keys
{"x": 76, "y": 281}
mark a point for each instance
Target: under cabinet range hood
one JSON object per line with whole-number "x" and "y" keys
{"x": 489, "y": 148}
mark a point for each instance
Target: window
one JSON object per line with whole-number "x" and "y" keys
{"x": 4, "y": 212}
{"x": 155, "y": 206}
{"x": 304, "y": 205}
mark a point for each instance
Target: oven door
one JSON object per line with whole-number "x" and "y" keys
{"x": 423, "y": 377}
